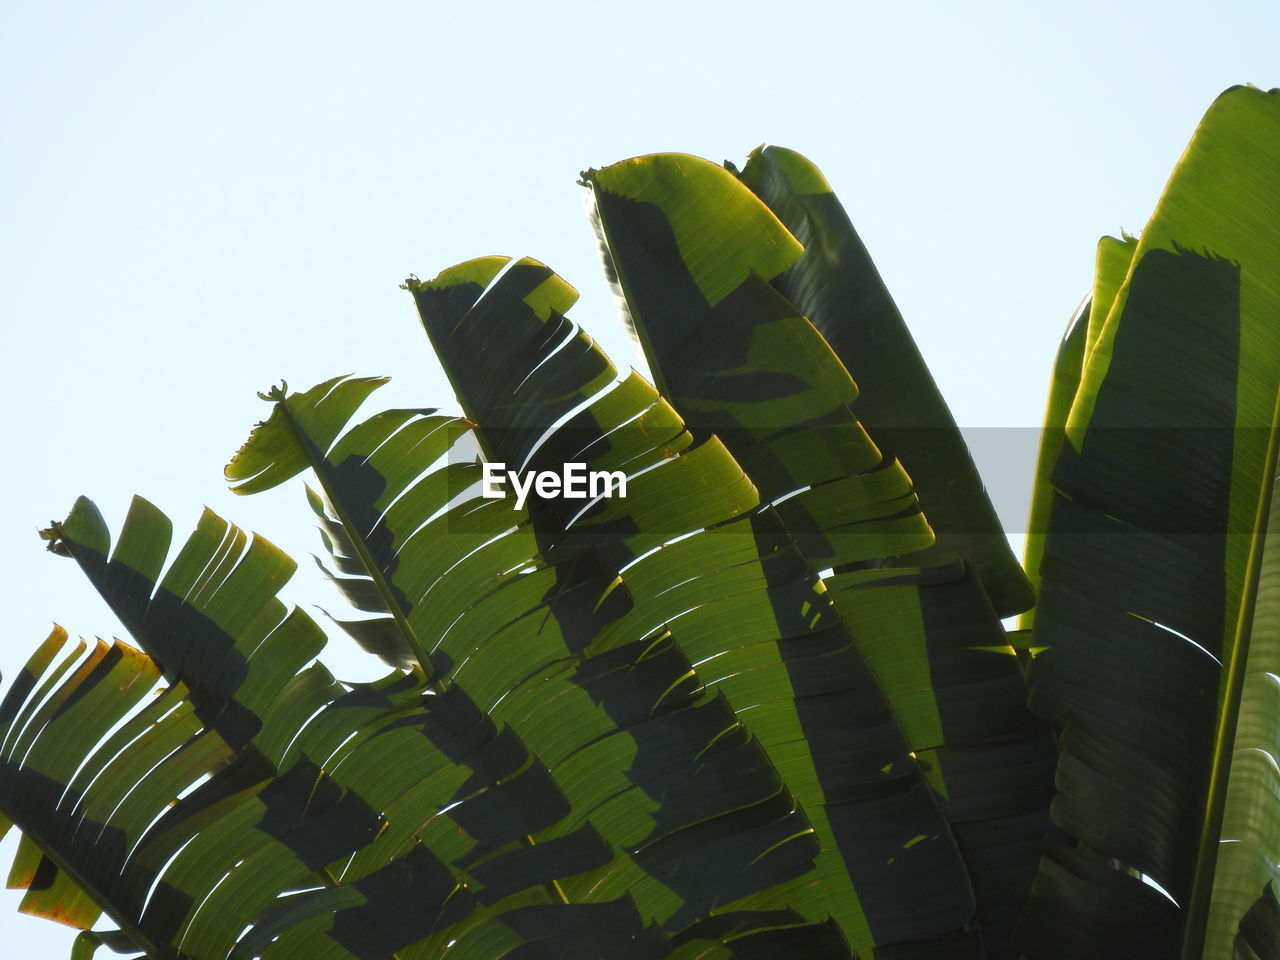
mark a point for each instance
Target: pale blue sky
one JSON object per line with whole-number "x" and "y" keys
{"x": 200, "y": 199}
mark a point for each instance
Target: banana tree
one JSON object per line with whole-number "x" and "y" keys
{"x": 752, "y": 695}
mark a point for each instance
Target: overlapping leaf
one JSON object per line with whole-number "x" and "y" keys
{"x": 753, "y": 708}
{"x": 1150, "y": 603}
{"x": 1248, "y": 858}
{"x": 512, "y": 611}
{"x": 601, "y": 583}
{"x": 92, "y": 768}
{"x": 741, "y": 361}
{"x": 1114, "y": 257}
{"x": 864, "y": 839}
{"x": 300, "y": 826}
{"x": 212, "y": 622}
{"x": 836, "y": 286}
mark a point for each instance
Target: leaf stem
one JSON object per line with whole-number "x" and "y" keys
{"x": 319, "y": 466}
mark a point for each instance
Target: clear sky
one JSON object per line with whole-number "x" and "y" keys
{"x": 201, "y": 199}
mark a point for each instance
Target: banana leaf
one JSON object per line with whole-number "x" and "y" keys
{"x": 837, "y": 287}
{"x": 855, "y": 828}
{"x": 742, "y": 362}
{"x": 1155, "y": 592}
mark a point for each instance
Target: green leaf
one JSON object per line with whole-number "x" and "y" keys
{"x": 1248, "y": 854}
{"x": 549, "y": 588}
{"x": 763, "y": 704}
{"x": 754, "y": 241}
{"x": 245, "y": 676}
{"x": 1113, "y": 262}
{"x": 1154, "y": 546}
{"x": 213, "y": 620}
{"x": 756, "y": 373}
{"x": 272, "y": 455}
{"x": 64, "y": 848}
{"x": 763, "y": 660}
{"x": 837, "y": 287}
{"x": 1114, "y": 257}
{"x": 263, "y": 832}
{"x": 1062, "y": 391}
